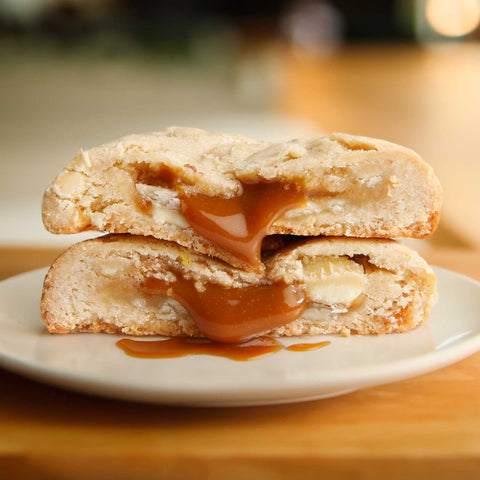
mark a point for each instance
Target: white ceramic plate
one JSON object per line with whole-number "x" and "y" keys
{"x": 92, "y": 363}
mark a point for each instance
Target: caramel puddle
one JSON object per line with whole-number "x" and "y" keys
{"x": 182, "y": 347}
{"x": 306, "y": 347}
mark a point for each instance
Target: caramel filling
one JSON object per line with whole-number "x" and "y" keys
{"x": 181, "y": 347}
{"x": 237, "y": 224}
{"x": 233, "y": 315}
{"x": 240, "y": 223}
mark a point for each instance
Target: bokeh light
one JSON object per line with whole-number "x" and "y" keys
{"x": 453, "y": 18}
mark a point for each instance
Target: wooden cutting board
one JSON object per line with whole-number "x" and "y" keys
{"x": 426, "y": 428}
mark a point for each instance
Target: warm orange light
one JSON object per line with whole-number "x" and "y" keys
{"x": 453, "y": 18}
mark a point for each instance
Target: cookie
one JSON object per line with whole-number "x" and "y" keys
{"x": 143, "y": 286}
{"x": 221, "y": 194}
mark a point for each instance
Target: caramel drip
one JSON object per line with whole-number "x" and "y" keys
{"x": 182, "y": 347}
{"x": 240, "y": 223}
{"x": 237, "y": 224}
{"x": 233, "y": 314}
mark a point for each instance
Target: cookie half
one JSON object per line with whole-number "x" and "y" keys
{"x": 144, "y": 286}
{"x": 222, "y": 194}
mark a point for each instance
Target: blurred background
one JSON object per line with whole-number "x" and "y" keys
{"x": 76, "y": 73}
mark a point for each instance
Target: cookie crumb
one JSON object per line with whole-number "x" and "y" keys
{"x": 345, "y": 332}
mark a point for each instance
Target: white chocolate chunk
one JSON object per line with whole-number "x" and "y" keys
{"x": 316, "y": 314}
{"x": 159, "y": 196}
{"x": 70, "y": 184}
{"x": 164, "y": 215}
{"x": 333, "y": 280}
{"x": 110, "y": 267}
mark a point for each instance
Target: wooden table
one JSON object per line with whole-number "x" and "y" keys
{"x": 427, "y": 427}
{"x": 425, "y": 98}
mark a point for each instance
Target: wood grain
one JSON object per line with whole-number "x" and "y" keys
{"x": 14, "y": 260}
{"x": 426, "y": 427}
